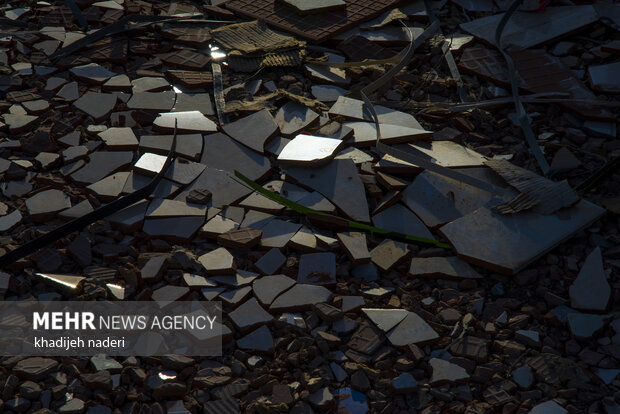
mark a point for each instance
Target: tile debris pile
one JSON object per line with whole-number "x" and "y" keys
{"x": 503, "y": 297}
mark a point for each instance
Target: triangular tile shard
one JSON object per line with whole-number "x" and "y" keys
{"x": 339, "y": 182}
{"x": 254, "y": 130}
{"x": 591, "y": 290}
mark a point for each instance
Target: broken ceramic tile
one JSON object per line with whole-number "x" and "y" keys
{"x": 233, "y": 298}
{"x": 528, "y": 30}
{"x": 160, "y": 207}
{"x": 109, "y": 188}
{"x": 293, "y": 117}
{"x": 591, "y": 290}
{"x": 446, "y": 372}
{"x": 299, "y": 298}
{"x": 400, "y": 219}
{"x": 412, "y": 330}
{"x": 451, "y": 268}
{"x": 149, "y": 164}
{"x": 249, "y": 316}
{"x": 223, "y": 153}
{"x": 355, "y": 246}
{"x": 194, "y": 102}
{"x": 175, "y": 229}
{"x": 192, "y": 280}
{"x": 389, "y": 254}
{"x": 117, "y": 83}
{"x": 217, "y": 226}
{"x": 149, "y": 84}
{"x": 97, "y": 105}
{"x": 183, "y": 172}
{"x": 604, "y": 77}
{"x": 271, "y": 262}
{"x": 367, "y": 339}
{"x": 187, "y": 122}
{"x": 242, "y": 239}
{"x": 304, "y": 241}
{"x": 78, "y": 210}
{"x": 267, "y": 288}
{"x": 365, "y": 134}
{"x": 259, "y": 341}
{"x": 188, "y": 145}
{"x": 327, "y": 93}
{"x": 317, "y": 269}
{"x": 45, "y": 205}
{"x": 19, "y": 122}
{"x": 516, "y": 239}
{"x": 308, "y": 149}
{"x": 224, "y": 189}
{"x": 437, "y": 199}
{"x": 327, "y": 74}
{"x": 354, "y": 154}
{"x": 169, "y": 294}
{"x": 385, "y": 319}
{"x": 253, "y": 130}
{"x": 119, "y": 139}
{"x": 92, "y": 73}
{"x": 69, "y": 92}
{"x": 219, "y": 261}
{"x": 339, "y": 182}
{"x": 277, "y": 233}
{"x": 152, "y": 101}
{"x": 257, "y": 201}
{"x": 154, "y": 269}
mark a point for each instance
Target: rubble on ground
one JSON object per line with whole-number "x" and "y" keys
{"x": 447, "y": 273}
